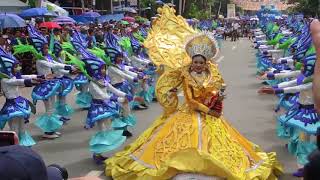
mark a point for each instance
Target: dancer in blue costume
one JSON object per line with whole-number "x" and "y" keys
{"x": 103, "y": 110}
{"x": 49, "y": 122}
{"x": 301, "y": 121}
{"x": 113, "y": 43}
{"x": 62, "y": 108}
{"x": 121, "y": 80}
{"x": 81, "y": 81}
{"x": 17, "y": 109}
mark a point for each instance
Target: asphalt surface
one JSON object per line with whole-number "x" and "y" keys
{"x": 250, "y": 113}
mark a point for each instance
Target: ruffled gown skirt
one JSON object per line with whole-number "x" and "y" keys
{"x": 188, "y": 141}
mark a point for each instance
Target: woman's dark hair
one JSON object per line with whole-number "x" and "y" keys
{"x": 199, "y": 55}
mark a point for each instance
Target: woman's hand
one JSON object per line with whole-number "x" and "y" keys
{"x": 263, "y": 77}
{"x": 266, "y": 90}
{"x": 36, "y": 81}
{"x": 214, "y": 113}
{"x": 50, "y": 76}
{"x": 221, "y": 97}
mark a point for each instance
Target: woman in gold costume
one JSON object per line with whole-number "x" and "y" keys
{"x": 191, "y": 138}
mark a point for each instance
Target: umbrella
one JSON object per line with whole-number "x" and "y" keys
{"x": 50, "y": 25}
{"x": 159, "y": 2}
{"x": 50, "y": 14}
{"x": 91, "y": 14}
{"x": 126, "y": 9}
{"x": 34, "y": 12}
{"x": 129, "y": 19}
{"x": 64, "y": 20}
{"x": 125, "y": 22}
{"x": 55, "y": 8}
{"x": 11, "y": 21}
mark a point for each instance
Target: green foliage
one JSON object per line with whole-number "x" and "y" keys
{"x": 307, "y": 7}
{"x": 196, "y": 10}
{"x": 147, "y": 3}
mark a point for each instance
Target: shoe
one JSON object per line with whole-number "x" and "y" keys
{"x": 50, "y": 136}
{"x": 57, "y": 133}
{"x": 99, "y": 159}
{"x": 298, "y": 173}
{"x": 64, "y": 120}
{"x": 86, "y": 127}
{"x": 127, "y": 133}
{"x": 139, "y": 107}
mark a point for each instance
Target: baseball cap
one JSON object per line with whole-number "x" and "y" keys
{"x": 22, "y": 163}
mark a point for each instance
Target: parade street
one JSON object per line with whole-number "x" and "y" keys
{"x": 250, "y": 113}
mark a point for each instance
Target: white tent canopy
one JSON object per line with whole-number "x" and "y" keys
{"x": 12, "y": 6}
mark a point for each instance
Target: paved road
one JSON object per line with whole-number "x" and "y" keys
{"x": 250, "y": 113}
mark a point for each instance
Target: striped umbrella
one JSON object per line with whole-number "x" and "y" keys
{"x": 64, "y": 20}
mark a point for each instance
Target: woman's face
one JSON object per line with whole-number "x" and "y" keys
{"x": 16, "y": 69}
{"x": 45, "y": 49}
{"x": 198, "y": 64}
{"x": 104, "y": 71}
{"x": 119, "y": 60}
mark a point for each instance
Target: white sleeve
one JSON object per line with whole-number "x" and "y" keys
{"x": 29, "y": 76}
{"x": 13, "y": 82}
{"x": 115, "y": 91}
{"x": 290, "y": 74}
{"x": 63, "y": 71}
{"x": 299, "y": 88}
{"x": 120, "y": 73}
{"x": 287, "y": 84}
{"x": 58, "y": 66}
{"x": 130, "y": 73}
{"x": 97, "y": 92}
{"x": 51, "y": 65}
{"x": 136, "y": 59}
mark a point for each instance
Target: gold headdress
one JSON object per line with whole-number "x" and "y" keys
{"x": 202, "y": 44}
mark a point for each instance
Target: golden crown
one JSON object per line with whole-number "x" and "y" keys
{"x": 203, "y": 44}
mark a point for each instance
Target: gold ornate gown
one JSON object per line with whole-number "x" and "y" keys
{"x": 186, "y": 139}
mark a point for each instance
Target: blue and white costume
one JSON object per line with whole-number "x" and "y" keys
{"x": 17, "y": 109}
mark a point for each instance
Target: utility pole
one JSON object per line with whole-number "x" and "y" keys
{"x": 180, "y": 7}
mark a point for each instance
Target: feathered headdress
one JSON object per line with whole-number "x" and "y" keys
{"x": 38, "y": 41}
{"x": 113, "y": 53}
{"x": 202, "y": 44}
{"x": 7, "y": 63}
{"x": 94, "y": 67}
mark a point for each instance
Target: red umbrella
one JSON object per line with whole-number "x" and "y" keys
{"x": 50, "y": 25}
{"x": 129, "y": 19}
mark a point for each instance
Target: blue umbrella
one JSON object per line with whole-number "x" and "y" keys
{"x": 91, "y": 14}
{"x": 159, "y": 2}
{"x": 34, "y": 12}
{"x": 11, "y": 21}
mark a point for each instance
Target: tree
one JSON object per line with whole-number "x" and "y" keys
{"x": 307, "y": 7}
{"x": 199, "y": 9}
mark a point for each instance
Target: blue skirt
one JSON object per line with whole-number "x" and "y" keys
{"x": 101, "y": 110}
{"x": 105, "y": 141}
{"x": 46, "y": 90}
{"x": 14, "y": 108}
{"x": 125, "y": 87}
{"x": 66, "y": 86}
{"x": 83, "y": 99}
{"x": 287, "y": 101}
{"x": 80, "y": 79}
{"x": 302, "y": 117}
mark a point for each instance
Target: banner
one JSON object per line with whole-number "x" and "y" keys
{"x": 231, "y": 10}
